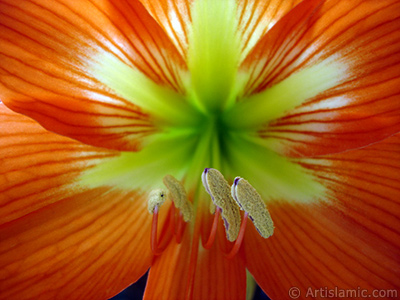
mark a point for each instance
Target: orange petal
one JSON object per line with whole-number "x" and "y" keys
{"x": 351, "y": 243}
{"x": 59, "y": 239}
{"x": 174, "y": 17}
{"x": 218, "y": 277}
{"x": 47, "y": 48}
{"x": 258, "y": 16}
{"x": 209, "y": 276}
{"x": 255, "y": 18}
{"x": 88, "y": 246}
{"x": 361, "y": 108}
{"x": 38, "y": 167}
{"x": 169, "y": 272}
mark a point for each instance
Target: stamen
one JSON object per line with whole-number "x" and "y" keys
{"x": 179, "y": 229}
{"x": 166, "y": 234}
{"x": 177, "y": 193}
{"x": 172, "y": 218}
{"x": 213, "y": 232}
{"x": 153, "y": 240}
{"x": 219, "y": 190}
{"x": 156, "y": 199}
{"x": 212, "y": 208}
{"x": 239, "y": 240}
{"x": 251, "y": 202}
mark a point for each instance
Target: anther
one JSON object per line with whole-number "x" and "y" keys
{"x": 156, "y": 199}
{"x": 177, "y": 193}
{"x": 251, "y": 202}
{"x": 219, "y": 190}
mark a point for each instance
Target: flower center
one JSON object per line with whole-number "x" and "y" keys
{"x": 209, "y": 123}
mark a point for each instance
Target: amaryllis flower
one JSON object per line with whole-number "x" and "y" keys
{"x": 108, "y": 103}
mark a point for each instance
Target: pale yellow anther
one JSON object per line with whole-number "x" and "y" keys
{"x": 251, "y": 202}
{"x": 219, "y": 190}
{"x": 156, "y": 198}
{"x": 212, "y": 208}
{"x": 177, "y": 193}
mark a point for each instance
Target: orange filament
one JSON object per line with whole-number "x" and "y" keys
{"x": 179, "y": 229}
{"x": 155, "y": 247}
{"x": 153, "y": 241}
{"x": 171, "y": 217}
{"x": 213, "y": 232}
{"x": 239, "y": 240}
{"x": 169, "y": 229}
